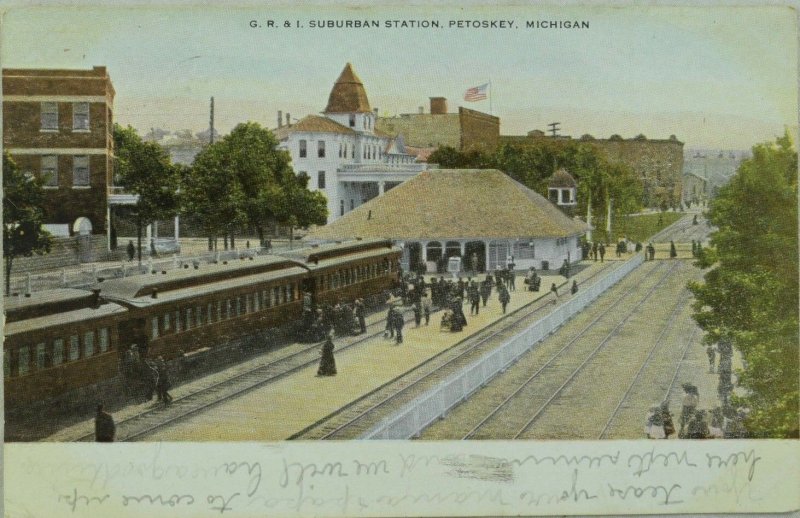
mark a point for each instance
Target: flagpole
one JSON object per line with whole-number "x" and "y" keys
{"x": 491, "y": 94}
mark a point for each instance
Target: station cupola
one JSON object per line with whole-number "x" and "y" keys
{"x": 562, "y": 190}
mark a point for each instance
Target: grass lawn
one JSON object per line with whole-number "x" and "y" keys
{"x": 641, "y": 227}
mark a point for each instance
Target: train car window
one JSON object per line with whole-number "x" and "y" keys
{"x": 23, "y": 360}
{"x": 219, "y": 310}
{"x": 177, "y": 320}
{"x": 74, "y": 348}
{"x": 166, "y": 322}
{"x": 102, "y": 334}
{"x": 58, "y": 351}
{"x": 240, "y": 305}
{"x": 41, "y": 356}
{"x": 290, "y": 293}
{"x": 199, "y": 312}
{"x": 248, "y": 303}
{"x": 274, "y": 296}
{"x": 210, "y": 313}
{"x": 257, "y": 301}
{"x": 281, "y": 298}
{"x": 154, "y": 328}
{"x": 189, "y": 318}
{"x": 231, "y": 308}
{"x": 88, "y": 342}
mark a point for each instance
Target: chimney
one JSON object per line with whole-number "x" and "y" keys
{"x": 438, "y": 105}
{"x": 280, "y": 119}
{"x": 376, "y": 112}
{"x": 288, "y": 119}
{"x": 421, "y": 110}
{"x": 155, "y": 293}
{"x": 95, "y": 298}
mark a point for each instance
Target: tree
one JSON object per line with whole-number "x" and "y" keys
{"x": 144, "y": 169}
{"x": 750, "y": 293}
{"x": 259, "y": 188}
{"x": 533, "y": 165}
{"x": 23, "y": 216}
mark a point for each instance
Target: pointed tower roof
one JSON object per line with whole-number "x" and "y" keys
{"x": 348, "y": 94}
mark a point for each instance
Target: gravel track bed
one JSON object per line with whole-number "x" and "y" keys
{"x": 576, "y": 339}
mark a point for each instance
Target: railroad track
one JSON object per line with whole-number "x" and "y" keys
{"x": 143, "y": 423}
{"x": 506, "y": 415}
{"x": 684, "y": 231}
{"x": 352, "y": 420}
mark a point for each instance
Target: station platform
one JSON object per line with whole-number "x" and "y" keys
{"x": 281, "y": 409}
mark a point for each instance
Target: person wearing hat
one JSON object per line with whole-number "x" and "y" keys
{"x": 327, "y": 363}
{"x": 691, "y": 399}
{"x": 163, "y": 384}
{"x": 358, "y": 309}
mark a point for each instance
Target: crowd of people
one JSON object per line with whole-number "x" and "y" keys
{"x": 721, "y": 422}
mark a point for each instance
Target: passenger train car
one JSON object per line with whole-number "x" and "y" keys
{"x": 67, "y": 341}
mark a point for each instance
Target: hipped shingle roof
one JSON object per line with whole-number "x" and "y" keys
{"x": 453, "y": 203}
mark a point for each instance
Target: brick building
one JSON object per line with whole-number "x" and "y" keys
{"x": 58, "y": 124}
{"x": 466, "y": 130}
{"x": 658, "y": 162}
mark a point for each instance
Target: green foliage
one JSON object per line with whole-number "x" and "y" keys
{"x": 23, "y": 195}
{"x": 244, "y": 178}
{"x": 533, "y": 165}
{"x": 751, "y": 294}
{"x": 144, "y": 168}
{"x": 641, "y": 226}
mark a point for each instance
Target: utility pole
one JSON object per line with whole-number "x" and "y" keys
{"x": 211, "y": 134}
{"x": 554, "y": 129}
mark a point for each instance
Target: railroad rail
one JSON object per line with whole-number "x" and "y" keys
{"x": 362, "y": 412}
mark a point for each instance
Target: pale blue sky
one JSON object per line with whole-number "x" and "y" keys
{"x": 715, "y": 77}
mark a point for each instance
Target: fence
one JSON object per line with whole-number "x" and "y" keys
{"x": 88, "y": 277}
{"x": 421, "y": 412}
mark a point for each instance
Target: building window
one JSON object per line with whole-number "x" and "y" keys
{"x": 154, "y": 323}
{"x": 58, "y": 351}
{"x": 80, "y": 116}
{"x": 23, "y": 360}
{"x": 340, "y": 150}
{"x": 341, "y": 207}
{"x": 166, "y": 321}
{"x": 321, "y": 180}
{"x": 50, "y": 116}
{"x": 303, "y": 149}
{"x": 352, "y": 203}
{"x": 80, "y": 170}
{"x": 74, "y": 348}
{"x": 88, "y": 344}
{"x": 103, "y": 334}
{"x": 352, "y": 120}
{"x": 41, "y": 356}
{"x": 50, "y": 170}
{"x": 321, "y": 149}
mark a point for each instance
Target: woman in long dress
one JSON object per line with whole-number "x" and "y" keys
{"x": 327, "y": 364}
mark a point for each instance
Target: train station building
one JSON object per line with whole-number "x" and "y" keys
{"x": 483, "y": 216}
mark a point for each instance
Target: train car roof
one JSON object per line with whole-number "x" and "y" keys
{"x": 310, "y": 252}
{"x": 342, "y": 259}
{"x": 38, "y": 298}
{"x": 60, "y": 319}
{"x": 144, "y": 285}
{"x": 129, "y": 295}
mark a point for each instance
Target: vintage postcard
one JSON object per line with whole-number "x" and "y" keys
{"x": 378, "y": 259}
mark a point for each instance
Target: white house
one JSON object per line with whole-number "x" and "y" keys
{"x": 342, "y": 152}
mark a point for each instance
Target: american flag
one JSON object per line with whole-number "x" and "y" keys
{"x": 476, "y": 93}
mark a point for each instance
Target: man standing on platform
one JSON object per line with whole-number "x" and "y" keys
{"x": 503, "y": 296}
{"x": 358, "y": 307}
{"x": 474, "y": 299}
{"x": 399, "y": 322}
